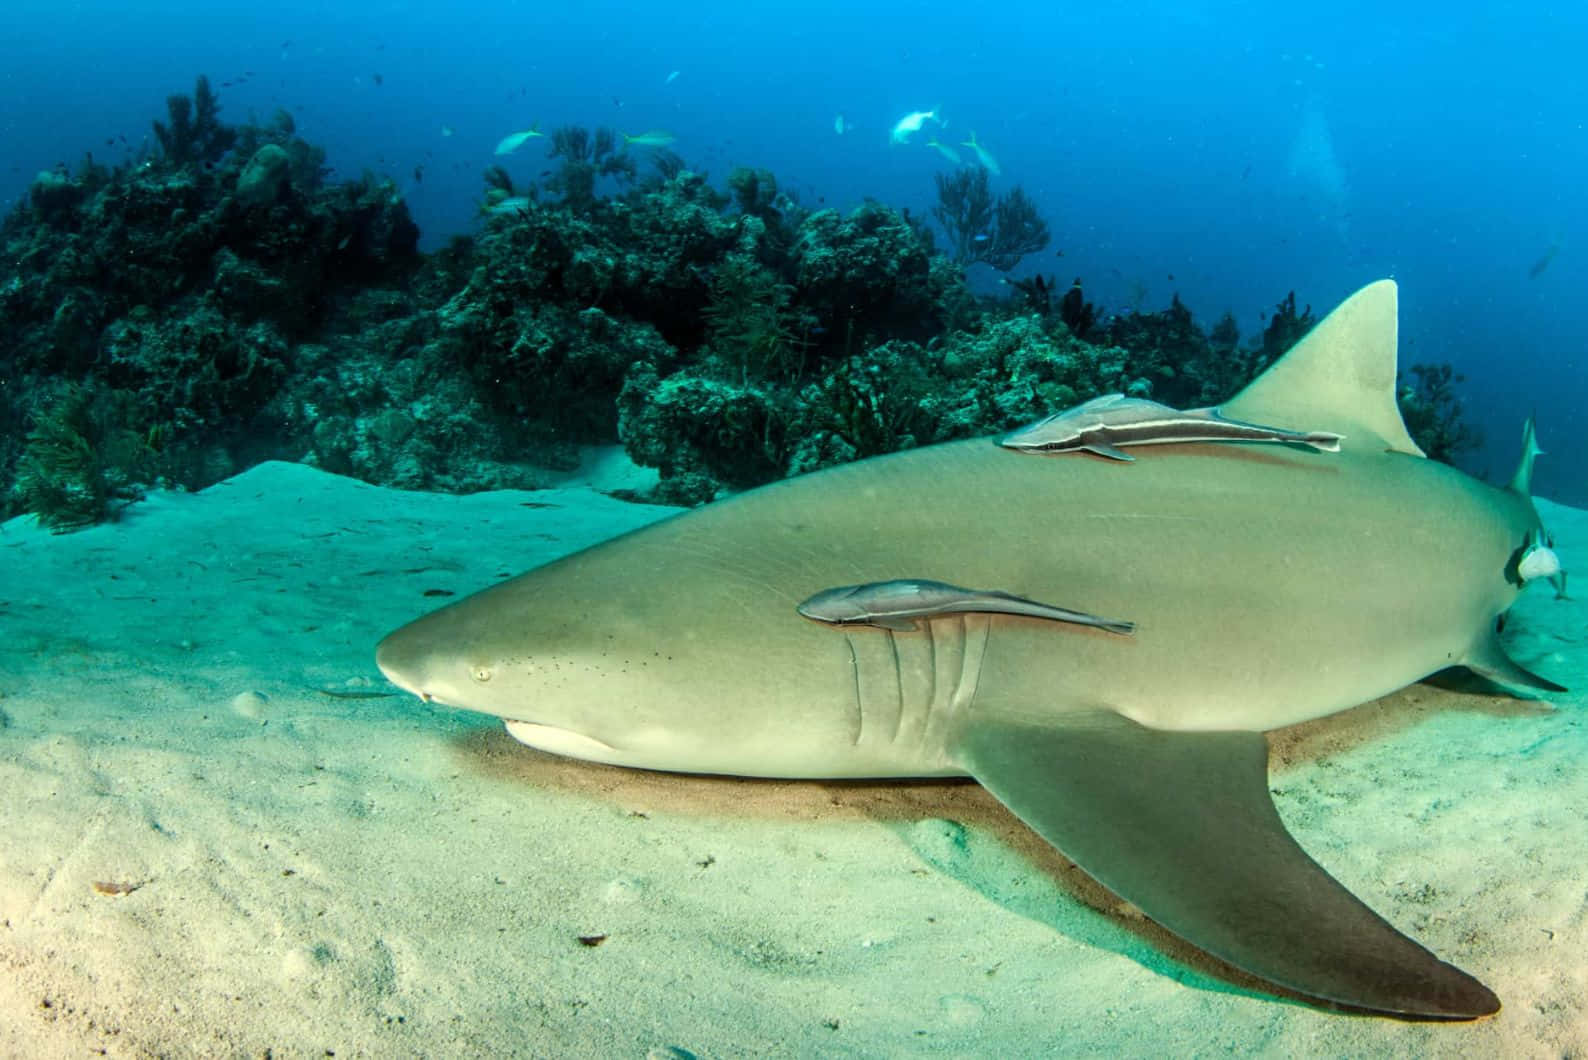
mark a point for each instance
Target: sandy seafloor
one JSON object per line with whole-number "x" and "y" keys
{"x": 192, "y": 714}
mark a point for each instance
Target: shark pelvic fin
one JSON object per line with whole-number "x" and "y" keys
{"x": 1487, "y": 659}
{"x": 1522, "y": 481}
{"x": 1181, "y": 824}
{"x": 1340, "y": 377}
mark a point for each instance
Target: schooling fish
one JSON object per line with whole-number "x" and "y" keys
{"x": 984, "y": 156}
{"x": 1105, "y": 423}
{"x": 897, "y": 604}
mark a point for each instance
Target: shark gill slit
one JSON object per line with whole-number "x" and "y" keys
{"x": 854, "y": 671}
{"x": 909, "y": 686}
{"x": 898, "y": 683}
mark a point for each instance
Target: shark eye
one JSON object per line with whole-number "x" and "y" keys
{"x": 480, "y": 672}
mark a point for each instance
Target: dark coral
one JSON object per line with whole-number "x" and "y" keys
{"x": 1434, "y": 415}
{"x": 164, "y": 284}
{"x": 586, "y": 156}
{"x": 193, "y": 133}
{"x": 81, "y": 463}
{"x": 980, "y": 229}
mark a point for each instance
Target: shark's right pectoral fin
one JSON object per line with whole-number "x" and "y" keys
{"x": 1181, "y": 824}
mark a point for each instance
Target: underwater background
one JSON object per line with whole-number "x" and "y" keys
{"x": 314, "y": 317}
{"x": 1222, "y": 154}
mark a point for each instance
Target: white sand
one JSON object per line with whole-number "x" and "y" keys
{"x": 377, "y": 877}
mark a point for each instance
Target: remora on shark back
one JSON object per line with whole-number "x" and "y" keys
{"x": 1267, "y": 587}
{"x": 1104, "y": 424}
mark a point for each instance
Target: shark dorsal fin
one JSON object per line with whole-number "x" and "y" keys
{"x": 1339, "y": 377}
{"x": 1522, "y": 481}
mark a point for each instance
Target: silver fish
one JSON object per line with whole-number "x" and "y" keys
{"x": 1105, "y": 423}
{"x": 897, "y": 604}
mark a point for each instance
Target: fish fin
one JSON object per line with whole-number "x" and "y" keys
{"x": 897, "y": 625}
{"x": 1324, "y": 441}
{"x": 1522, "y": 481}
{"x": 1181, "y": 825}
{"x": 1113, "y": 452}
{"x": 1487, "y": 659}
{"x": 1340, "y": 377}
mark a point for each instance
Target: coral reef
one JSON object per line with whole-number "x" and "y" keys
{"x": 176, "y": 319}
{"x": 182, "y": 283}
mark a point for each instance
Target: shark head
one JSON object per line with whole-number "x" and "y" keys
{"x": 563, "y": 686}
{"x": 593, "y": 657}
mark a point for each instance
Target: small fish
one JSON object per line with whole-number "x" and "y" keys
{"x": 1105, "y": 423}
{"x": 840, "y": 126}
{"x": 653, "y": 138}
{"x": 946, "y": 151}
{"x": 984, "y": 156}
{"x": 419, "y": 174}
{"x": 1544, "y": 262}
{"x": 379, "y": 80}
{"x": 513, "y": 141}
{"x": 446, "y": 130}
{"x": 911, "y": 123}
{"x": 895, "y": 605}
{"x": 671, "y": 78}
{"x": 982, "y": 237}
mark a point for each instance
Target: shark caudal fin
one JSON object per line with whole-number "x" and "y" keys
{"x": 1340, "y": 377}
{"x": 1522, "y": 481}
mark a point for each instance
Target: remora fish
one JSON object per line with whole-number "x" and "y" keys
{"x": 1142, "y": 758}
{"x": 1105, "y": 423}
{"x": 896, "y": 605}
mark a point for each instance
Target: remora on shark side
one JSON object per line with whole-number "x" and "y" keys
{"x": 1268, "y": 585}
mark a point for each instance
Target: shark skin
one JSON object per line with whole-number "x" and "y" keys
{"x": 1269, "y": 585}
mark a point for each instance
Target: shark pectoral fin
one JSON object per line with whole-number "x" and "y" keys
{"x": 1487, "y": 659}
{"x": 1181, "y": 824}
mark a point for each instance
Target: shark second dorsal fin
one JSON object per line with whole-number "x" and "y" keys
{"x": 1339, "y": 377}
{"x": 1522, "y": 481}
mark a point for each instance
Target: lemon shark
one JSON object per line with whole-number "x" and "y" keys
{"x": 1262, "y": 586}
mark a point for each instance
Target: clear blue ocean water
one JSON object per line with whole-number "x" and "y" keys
{"x": 1229, "y": 152}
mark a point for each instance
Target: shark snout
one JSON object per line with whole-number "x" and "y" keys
{"x": 401, "y": 657}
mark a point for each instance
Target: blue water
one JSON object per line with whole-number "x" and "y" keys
{"x": 1226, "y": 151}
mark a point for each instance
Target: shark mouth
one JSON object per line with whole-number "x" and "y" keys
{"x": 560, "y": 741}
